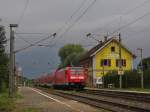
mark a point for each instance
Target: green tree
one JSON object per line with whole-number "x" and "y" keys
{"x": 70, "y": 55}
{"x": 3, "y": 60}
{"x": 3, "y": 39}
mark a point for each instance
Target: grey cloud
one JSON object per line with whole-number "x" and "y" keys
{"x": 47, "y": 16}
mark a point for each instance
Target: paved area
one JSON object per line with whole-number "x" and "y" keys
{"x": 45, "y": 102}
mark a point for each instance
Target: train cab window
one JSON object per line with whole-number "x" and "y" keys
{"x": 76, "y": 70}
{"x": 73, "y": 72}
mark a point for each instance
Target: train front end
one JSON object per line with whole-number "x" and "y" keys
{"x": 76, "y": 77}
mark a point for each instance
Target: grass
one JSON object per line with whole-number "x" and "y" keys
{"x": 6, "y": 104}
{"x": 10, "y": 104}
{"x": 29, "y": 109}
{"x": 139, "y": 89}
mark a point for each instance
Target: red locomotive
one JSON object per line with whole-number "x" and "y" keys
{"x": 69, "y": 77}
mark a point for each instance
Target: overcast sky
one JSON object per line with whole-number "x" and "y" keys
{"x": 75, "y": 18}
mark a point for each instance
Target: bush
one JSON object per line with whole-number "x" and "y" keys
{"x": 130, "y": 79}
{"x": 3, "y": 86}
{"x": 147, "y": 78}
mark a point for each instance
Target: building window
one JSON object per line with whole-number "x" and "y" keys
{"x": 105, "y": 62}
{"x": 113, "y": 49}
{"x": 123, "y": 62}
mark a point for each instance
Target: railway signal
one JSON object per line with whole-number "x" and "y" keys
{"x": 120, "y": 71}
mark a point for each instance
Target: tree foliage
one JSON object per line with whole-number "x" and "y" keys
{"x": 3, "y": 60}
{"x": 70, "y": 55}
{"x": 2, "y": 38}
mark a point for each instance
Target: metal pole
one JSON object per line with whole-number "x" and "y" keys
{"x": 12, "y": 61}
{"x": 14, "y": 77}
{"x": 11, "y": 64}
{"x": 103, "y": 76}
{"x": 120, "y": 62}
{"x": 142, "y": 74}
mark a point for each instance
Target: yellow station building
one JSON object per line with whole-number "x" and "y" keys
{"x": 104, "y": 58}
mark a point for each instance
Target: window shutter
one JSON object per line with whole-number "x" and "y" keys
{"x": 109, "y": 62}
{"x": 117, "y": 62}
{"x": 102, "y": 62}
{"x": 124, "y": 62}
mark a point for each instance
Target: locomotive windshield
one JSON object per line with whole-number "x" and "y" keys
{"x": 76, "y": 70}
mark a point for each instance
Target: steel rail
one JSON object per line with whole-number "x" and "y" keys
{"x": 98, "y": 102}
{"x": 144, "y": 97}
{"x": 107, "y": 105}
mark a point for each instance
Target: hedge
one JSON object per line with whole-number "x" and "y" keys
{"x": 130, "y": 79}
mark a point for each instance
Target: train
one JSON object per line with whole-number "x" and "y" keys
{"x": 66, "y": 78}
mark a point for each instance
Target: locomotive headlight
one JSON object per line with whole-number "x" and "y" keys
{"x": 81, "y": 77}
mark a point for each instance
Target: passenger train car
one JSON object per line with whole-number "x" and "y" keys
{"x": 69, "y": 77}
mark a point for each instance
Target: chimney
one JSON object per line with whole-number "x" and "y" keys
{"x": 100, "y": 42}
{"x": 105, "y": 38}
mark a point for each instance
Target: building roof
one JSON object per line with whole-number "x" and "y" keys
{"x": 100, "y": 46}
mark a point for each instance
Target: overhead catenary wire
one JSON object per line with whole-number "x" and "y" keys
{"x": 129, "y": 24}
{"x": 23, "y": 12}
{"x": 62, "y": 27}
{"x": 25, "y": 41}
{"x": 137, "y": 33}
{"x": 29, "y": 33}
{"x": 42, "y": 45}
{"x": 84, "y": 12}
{"x": 73, "y": 14}
{"x": 136, "y": 7}
{"x": 37, "y": 42}
{"x": 124, "y": 14}
{"x": 71, "y": 17}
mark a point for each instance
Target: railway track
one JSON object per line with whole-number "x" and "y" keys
{"x": 114, "y": 105}
{"x": 142, "y": 97}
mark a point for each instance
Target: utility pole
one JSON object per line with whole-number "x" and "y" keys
{"x": 141, "y": 67}
{"x": 120, "y": 62}
{"x": 12, "y": 61}
{"x": 103, "y": 75}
